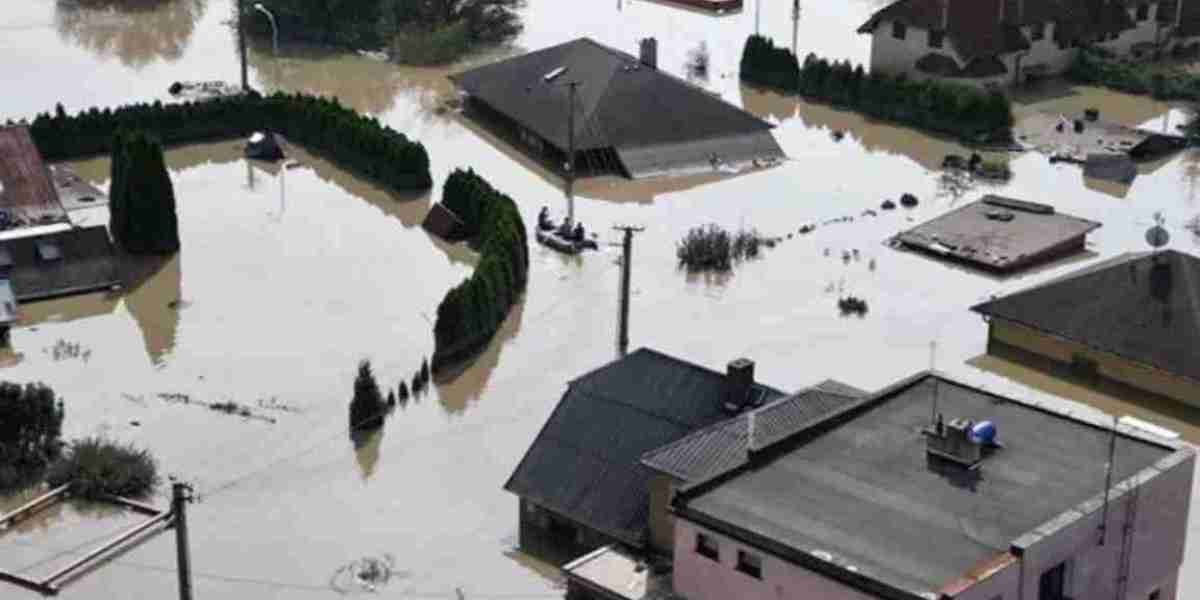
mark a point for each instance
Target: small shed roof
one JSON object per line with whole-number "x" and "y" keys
{"x": 74, "y": 261}
{"x": 442, "y": 222}
{"x": 996, "y": 233}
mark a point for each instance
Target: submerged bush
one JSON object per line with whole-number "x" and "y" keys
{"x": 30, "y": 427}
{"x": 96, "y": 467}
{"x": 711, "y": 248}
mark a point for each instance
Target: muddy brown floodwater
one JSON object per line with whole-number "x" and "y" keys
{"x": 288, "y": 277}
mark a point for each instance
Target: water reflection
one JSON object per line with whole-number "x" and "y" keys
{"x": 153, "y": 297}
{"x": 136, "y": 36}
{"x": 460, "y": 387}
{"x": 366, "y": 450}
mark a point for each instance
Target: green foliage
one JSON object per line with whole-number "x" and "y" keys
{"x": 368, "y": 406}
{"x": 30, "y": 426}
{"x": 471, "y": 313}
{"x": 96, "y": 467}
{"x": 1095, "y": 67}
{"x": 142, "y": 200}
{"x": 355, "y": 142}
{"x": 937, "y": 106}
{"x": 437, "y": 47}
{"x": 712, "y": 248}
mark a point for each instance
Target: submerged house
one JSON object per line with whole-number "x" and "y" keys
{"x": 996, "y": 43}
{"x": 990, "y": 499}
{"x": 627, "y": 117}
{"x": 1133, "y": 320}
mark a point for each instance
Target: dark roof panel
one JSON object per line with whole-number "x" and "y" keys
{"x": 1144, "y": 307}
{"x": 57, "y": 264}
{"x": 601, "y": 427}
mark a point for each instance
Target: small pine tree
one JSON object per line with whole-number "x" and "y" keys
{"x": 367, "y": 407}
{"x": 424, "y": 371}
{"x": 391, "y": 400}
{"x": 402, "y": 393}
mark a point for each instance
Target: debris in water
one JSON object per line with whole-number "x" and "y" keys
{"x": 908, "y": 200}
{"x": 888, "y": 205}
{"x": 852, "y": 305}
{"x": 367, "y": 574}
{"x": 64, "y": 350}
{"x": 871, "y": 265}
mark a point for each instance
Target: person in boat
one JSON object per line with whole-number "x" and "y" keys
{"x": 578, "y": 234}
{"x": 544, "y": 219}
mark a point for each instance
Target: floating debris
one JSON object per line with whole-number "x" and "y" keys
{"x": 64, "y": 350}
{"x": 852, "y": 305}
{"x": 908, "y": 200}
{"x": 367, "y": 574}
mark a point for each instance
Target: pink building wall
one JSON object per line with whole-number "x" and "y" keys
{"x": 1159, "y": 533}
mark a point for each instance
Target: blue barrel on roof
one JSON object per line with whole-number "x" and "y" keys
{"x": 984, "y": 432}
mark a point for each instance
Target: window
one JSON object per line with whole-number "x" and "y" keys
{"x": 706, "y": 546}
{"x": 750, "y": 564}
{"x": 1143, "y": 12}
{"x": 899, "y": 30}
{"x": 1154, "y": 595}
{"x": 935, "y": 38}
{"x": 1037, "y": 32}
{"x": 49, "y": 251}
{"x": 1052, "y": 585}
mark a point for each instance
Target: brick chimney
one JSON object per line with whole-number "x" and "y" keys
{"x": 649, "y": 52}
{"x": 739, "y": 382}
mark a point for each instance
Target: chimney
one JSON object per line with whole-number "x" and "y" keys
{"x": 739, "y": 381}
{"x": 649, "y": 52}
{"x": 954, "y": 441}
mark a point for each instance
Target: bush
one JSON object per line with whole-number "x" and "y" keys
{"x": 436, "y": 47}
{"x": 355, "y": 142}
{"x": 1092, "y": 66}
{"x": 367, "y": 407}
{"x": 471, "y": 313}
{"x": 711, "y": 248}
{"x": 937, "y": 106}
{"x": 96, "y": 467}
{"x": 141, "y": 198}
{"x": 30, "y": 427}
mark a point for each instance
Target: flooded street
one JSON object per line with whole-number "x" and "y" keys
{"x": 288, "y": 277}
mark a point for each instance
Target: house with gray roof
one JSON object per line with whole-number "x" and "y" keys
{"x": 1133, "y": 319}
{"x": 994, "y": 43}
{"x": 932, "y": 489}
{"x": 619, "y": 113}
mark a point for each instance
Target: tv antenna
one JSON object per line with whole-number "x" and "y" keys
{"x": 1157, "y": 235}
{"x": 936, "y": 382}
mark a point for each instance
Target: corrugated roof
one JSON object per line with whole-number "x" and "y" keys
{"x": 1144, "y": 307}
{"x": 584, "y": 463}
{"x": 619, "y": 102}
{"x": 646, "y": 161}
{"x": 724, "y": 446}
{"x": 26, "y": 191}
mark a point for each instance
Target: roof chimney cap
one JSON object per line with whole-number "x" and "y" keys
{"x": 739, "y": 384}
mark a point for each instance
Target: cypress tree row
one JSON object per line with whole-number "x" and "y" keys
{"x": 950, "y": 108}
{"x": 355, "y": 142}
{"x": 471, "y": 313}
{"x": 142, "y": 215}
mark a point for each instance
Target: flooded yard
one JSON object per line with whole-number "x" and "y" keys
{"x": 288, "y": 277}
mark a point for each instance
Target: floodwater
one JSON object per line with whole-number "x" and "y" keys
{"x": 288, "y": 277}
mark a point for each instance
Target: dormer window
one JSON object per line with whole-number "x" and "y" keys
{"x": 936, "y": 38}
{"x": 899, "y": 30}
{"x": 49, "y": 251}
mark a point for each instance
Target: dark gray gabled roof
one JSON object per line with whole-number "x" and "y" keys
{"x": 856, "y": 497}
{"x": 584, "y": 464}
{"x": 1144, "y": 307}
{"x": 619, "y": 103}
{"x": 724, "y": 446}
{"x": 75, "y": 261}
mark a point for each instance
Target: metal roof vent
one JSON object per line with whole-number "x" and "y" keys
{"x": 960, "y": 441}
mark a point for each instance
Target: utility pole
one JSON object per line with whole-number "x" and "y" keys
{"x": 571, "y": 153}
{"x": 181, "y": 495}
{"x": 241, "y": 31}
{"x": 757, "y": 15}
{"x": 626, "y": 267}
{"x": 795, "y": 27}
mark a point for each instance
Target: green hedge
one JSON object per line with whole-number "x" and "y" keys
{"x": 141, "y": 197}
{"x": 353, "y": 141}
{"x": 949, "y": 108}
{"x": 31, "y": 419}
{"x": 1096, "y": 67}
{"x": 471, "y": 313}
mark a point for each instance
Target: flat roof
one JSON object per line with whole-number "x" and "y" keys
{"x": 26, "y": 191}
{"x": 619, "y": 574}
{"x": 996, "y": 233}
{"x": 861, "y": 493}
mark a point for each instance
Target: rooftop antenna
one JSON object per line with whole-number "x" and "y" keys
{"x": 1108, "y": 472}
{"x": 1157, "y": 235}
{"x": 1160, "y": 272}
{"x": 936, "y": 383}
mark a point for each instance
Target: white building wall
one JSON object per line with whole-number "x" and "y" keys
{"x": 1046, "y": 52}
{"x": 1145, "y": 32}
{"x": 893, "y": 56}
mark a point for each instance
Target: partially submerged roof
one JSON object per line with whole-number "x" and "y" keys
{"x": 442, "y": 222}
{"x": 858, "y": 497}
{"x": 584, "y": 463}
{"x": 724, "y": 446}
{"x": 1143, "y": 306}
{"x": 617, "y": 573}
{"x": 997, "y": 233}
{"x": 26, "y": 191}
{"x": 75, "y": 261}
{"x": 620, "y": 102}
